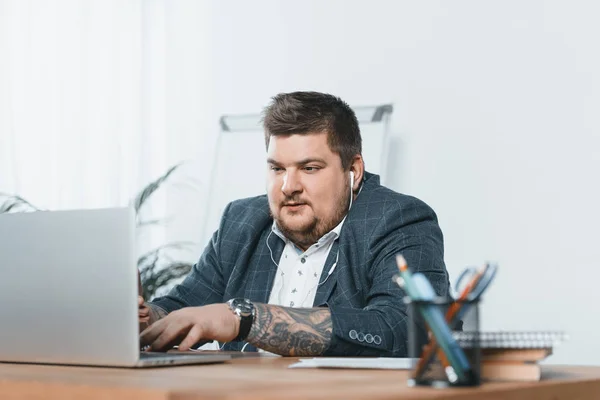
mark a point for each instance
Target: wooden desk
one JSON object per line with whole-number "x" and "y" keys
{"x": 269, "y": 378}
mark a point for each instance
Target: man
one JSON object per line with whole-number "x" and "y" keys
{"x": 307, "y": 269}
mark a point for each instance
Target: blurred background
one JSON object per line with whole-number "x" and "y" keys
{"x": 492, "y": 117}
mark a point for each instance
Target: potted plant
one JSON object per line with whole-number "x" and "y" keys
{"x": 157, "y": 269}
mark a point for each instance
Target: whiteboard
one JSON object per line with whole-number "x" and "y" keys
{"x": 239, "y": 166}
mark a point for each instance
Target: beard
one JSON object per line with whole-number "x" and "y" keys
{"x": 312, "y": 232}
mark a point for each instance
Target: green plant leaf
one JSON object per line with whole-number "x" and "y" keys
{"x": 154, "y": 279}
{"x": 14, "y": 203}
{"x": 157, "y": 269}
{"x": 145, "y": 193}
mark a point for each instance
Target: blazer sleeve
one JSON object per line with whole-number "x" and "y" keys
{"x": 380, "y": 328}
{"x": 204, "y": 284}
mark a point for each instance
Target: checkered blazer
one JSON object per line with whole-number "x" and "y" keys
{"x": 367, "y": 310}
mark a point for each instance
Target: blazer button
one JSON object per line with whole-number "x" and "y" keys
{"x": 361, "y": 337}
{"x": 352, "y": 334}
{"x": 369, "y": 338}
{"x": 377, "y": 339}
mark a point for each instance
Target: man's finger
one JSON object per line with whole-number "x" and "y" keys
{"x": 140, "y": 301}
{"x": 169, "y": 336}
{"x": 193, "y": 337}
{"x": 149, "y": 334}
{"x": 144, "y": 312}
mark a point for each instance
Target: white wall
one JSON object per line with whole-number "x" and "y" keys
{"x": 497, "y": 112}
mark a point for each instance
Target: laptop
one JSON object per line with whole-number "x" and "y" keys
{"x": 68, "y": 289}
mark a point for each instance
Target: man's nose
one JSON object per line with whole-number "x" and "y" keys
{"x": 291, "y": 184}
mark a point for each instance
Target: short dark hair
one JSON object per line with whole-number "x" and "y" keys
{"x": 313, "y": 112}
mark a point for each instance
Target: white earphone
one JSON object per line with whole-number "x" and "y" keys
{"x": 337, "y": 256}
{"x": 351, "y": 188}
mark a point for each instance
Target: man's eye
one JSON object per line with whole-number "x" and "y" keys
{"x": 311, "y": 169}
{"x": 276, "y": 169}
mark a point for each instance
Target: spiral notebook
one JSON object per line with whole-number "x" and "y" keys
{"x": 510, "y": 339}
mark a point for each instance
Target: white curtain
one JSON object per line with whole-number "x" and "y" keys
{"x": 81, "y": 100}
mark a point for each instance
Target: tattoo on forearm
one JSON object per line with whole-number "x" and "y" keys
{"x": 291, "y": 331}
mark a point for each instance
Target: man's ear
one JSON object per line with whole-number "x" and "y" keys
{"x": 358, "y": 169}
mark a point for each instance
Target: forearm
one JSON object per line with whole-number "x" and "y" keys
{"x": 291, "y": 331}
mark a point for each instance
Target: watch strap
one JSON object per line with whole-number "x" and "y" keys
{"x": 246, "y": 319}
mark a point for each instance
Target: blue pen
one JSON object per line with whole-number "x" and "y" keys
{"x": 419, "y": 288}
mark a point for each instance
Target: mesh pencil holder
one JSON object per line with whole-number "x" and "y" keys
{"x": 444, "y": 357}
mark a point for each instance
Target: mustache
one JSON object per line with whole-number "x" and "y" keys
{"x": 293, "y": 201}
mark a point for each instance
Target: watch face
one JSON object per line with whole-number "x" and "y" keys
{"x": 243, "y": 306}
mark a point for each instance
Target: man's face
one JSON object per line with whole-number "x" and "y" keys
{"x": 308, "y": 190}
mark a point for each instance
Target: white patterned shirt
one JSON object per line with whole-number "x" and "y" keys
{"x": 299, "y": 273}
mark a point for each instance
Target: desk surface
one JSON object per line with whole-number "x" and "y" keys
{"x": 269, "y": 378}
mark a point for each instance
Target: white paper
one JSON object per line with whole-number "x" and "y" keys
{"x": 361, "y": 363}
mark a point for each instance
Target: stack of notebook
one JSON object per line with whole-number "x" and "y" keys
{"x": 512, "y": 356}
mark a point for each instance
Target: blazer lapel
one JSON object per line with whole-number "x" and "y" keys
{"x": 260, "y": 280}
{"x": 329, "y": 280}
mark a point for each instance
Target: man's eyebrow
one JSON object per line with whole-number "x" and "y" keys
{"x": 300, "y": 162}
{"x": 311, "y": 160}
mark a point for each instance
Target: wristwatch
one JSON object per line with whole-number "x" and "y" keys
{"x": 244, "y": 309}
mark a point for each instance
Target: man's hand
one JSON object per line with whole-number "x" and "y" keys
{"x": 190, "y": 325}
{"x": 148, "y": 313}
{"x": 143, "y": 313}
{"x": 140, "y": 287}
{"x": 143, "y": 309}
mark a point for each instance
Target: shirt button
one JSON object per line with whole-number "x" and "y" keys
{"x": 377, "y": 339}
{"x": 303, "y": 260}
{"x": 369, "y": 338}
{"x": 361, "y": 337}
{"x": 352, "y": 334}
